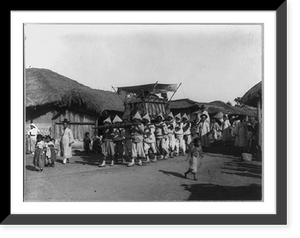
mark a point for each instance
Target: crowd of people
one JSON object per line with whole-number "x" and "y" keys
{"x": 144, "y": 140}
{"x": 45, "y": 148}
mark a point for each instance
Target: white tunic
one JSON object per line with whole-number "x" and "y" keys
{"x": 66, "y": 139}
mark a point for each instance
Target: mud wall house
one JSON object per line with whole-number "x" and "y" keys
{"x": 51, "y": 97}
{"x": 253, "y": 97}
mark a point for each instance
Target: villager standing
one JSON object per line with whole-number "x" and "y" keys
{"x": 226, "y": 127}
{"x": 32, "y": 133}
{"x": 50, "y": 153}
{"x": 127, "y": 141}
{"x": 87, "y": 142}
{"x": 137, "y": 131}
{"x": 39, "y": 158}
{"x": 66, "y": 142}
{"x": 108, "y": 147}
{"x": 241, "y": 134}
{"x": 149, "y": 138}
{"x": 204, "y": 130}
{"x": 161, "y": 137}
{"x": 180, "y": 143}
{"x": 119, "y": 137}
{"x": 215, "y": 129}
{"x": 170, "y": 131}
{"x": 186, "y": 126}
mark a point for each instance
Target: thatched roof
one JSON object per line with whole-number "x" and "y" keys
{"x": 45, "y": 87}
{"x": 182, "y": 103}
{"x": 250, "y": 97}
{"x": 248, "y": 111}
{"x": 213, "y": 107}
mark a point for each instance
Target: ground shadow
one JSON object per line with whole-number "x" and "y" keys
{"x": 179, "y": 175}
{"x": 218, "y": 147}
{"x": 92, "y": 158}
{"x": 243, "y": 166}
{"x": 244, "y": 174}
{"x": 206, "y": 192}
{"x": 31, "y": 168}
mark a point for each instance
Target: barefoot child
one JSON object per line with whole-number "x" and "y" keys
{"x": 40, "y": 153}
{"x": 50, "y": 153}
{"x": 194, "y": 157}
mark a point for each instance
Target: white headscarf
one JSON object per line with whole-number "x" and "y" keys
{"x": 34, "y": 130}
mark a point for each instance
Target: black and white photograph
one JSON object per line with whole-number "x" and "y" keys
{"x": 143, "y": 112}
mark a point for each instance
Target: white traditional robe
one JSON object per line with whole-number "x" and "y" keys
{"x": 67, "y": 137}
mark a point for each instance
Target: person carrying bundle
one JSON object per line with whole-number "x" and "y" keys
{"x": 186, "y": 127}
{"x": 108, "y": 147}
{"x": 170, "y": 131}
{"x": 119, "y": 137}
{"x": 137, "y": 132}
{"x": 149, "y": 138}
{"x": 180, "y": 143}
{"x": 161, "y": 137}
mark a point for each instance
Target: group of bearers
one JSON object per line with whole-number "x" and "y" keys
{"x": 147, "y": 141}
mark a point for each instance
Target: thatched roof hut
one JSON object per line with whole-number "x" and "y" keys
{"x": 45, "y": 88}
{"x": 181, "y": 105}
{"x": 251, "y": 97}
{"x": 51, "y": 97}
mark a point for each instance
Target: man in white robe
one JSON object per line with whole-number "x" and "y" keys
{"x": 66, "y": 142}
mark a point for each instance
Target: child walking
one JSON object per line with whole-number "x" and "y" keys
{"x": 194, "y": 157}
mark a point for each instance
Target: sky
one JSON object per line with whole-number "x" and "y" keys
{"x": 213, "y": 62}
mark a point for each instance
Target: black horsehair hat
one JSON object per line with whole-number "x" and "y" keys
{"x": 66, "y": 120}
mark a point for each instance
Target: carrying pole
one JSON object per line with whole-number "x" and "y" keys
{"x": 175, "y": 92}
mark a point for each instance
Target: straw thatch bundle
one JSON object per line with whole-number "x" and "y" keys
{"x": 251, "y": 97}
{"x": 46, "y": 88}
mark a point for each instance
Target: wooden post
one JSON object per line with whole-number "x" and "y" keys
{"x": 259, "y": 117}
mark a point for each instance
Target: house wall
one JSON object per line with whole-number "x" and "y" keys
{"x": 47, "y": 126}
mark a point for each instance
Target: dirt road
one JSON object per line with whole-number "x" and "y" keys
{"x": 221, "y": 177}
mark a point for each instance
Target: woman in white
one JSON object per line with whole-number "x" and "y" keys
{"x": 32, "y": 133}
{"x": 204, "y": 131}
{"x": 226, "y": 127}
{"x": 66, "y": 142}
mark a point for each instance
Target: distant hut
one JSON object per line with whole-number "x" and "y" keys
{"x": 253, "y": 97}
{"x": 51, "y": 97}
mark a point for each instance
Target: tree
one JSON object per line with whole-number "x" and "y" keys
{"x": 229, "y": 103}
{"x": 238, "y": 102}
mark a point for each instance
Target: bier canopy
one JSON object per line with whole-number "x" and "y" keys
{"x": 154, "y": 88}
